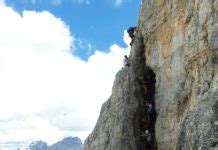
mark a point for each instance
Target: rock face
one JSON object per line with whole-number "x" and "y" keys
{"x": 178, "y": 40}
{"x": 120, "y": 117}
{"x": 181, "y": 46}
{"x": 68, "y": 143}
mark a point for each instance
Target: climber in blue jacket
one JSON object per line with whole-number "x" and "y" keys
{"x": 131, "y": 31}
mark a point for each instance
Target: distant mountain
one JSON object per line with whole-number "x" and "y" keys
{"x": 69, "y": 143}
{"x": 38, "y": 145}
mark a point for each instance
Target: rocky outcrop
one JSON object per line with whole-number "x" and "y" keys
{"x": 178, "y": 40}
{"x": 118, "y": 124}
{"x": 68, "y": 143}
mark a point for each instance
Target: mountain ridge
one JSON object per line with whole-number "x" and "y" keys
{"x": 68, "y": 143}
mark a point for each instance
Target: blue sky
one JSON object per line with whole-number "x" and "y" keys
{"x": 96, "y": 24}
{"x": 59, "y": 59}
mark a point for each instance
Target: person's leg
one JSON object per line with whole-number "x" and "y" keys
{"x": 149, "y": 146}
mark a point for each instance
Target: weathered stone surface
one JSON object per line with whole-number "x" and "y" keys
{"x": 118, "y": 125}
{"x": 181, "y": 47}
{"x": 180, "y": 44}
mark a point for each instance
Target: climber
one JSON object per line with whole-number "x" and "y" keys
{"x": 146, "y": 123}
{"x": 149, "y": 108}
{"x": 151, "y": 114}
{"x": 132, "y": 31}
{"x": 145, "y": 87}
{"x": 126, "y": 61}
{"x": 147, "y": 136}
{"x": 143, "y": 83}
{"x": 141, "y": 80}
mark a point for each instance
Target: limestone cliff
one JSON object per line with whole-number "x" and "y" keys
{"x": 178, "y": 40}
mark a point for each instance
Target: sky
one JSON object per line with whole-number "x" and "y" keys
{"x": 58, "y": 61}
{"x": 95, "y": 24}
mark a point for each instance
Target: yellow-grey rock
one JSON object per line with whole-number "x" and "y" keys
{"x": 178, "y": 40}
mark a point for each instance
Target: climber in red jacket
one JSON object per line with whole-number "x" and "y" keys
{"x": 146, "y": 123}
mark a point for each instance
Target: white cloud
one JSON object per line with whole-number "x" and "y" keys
{"x": 58, "y": 2}
{"x": 118, "y": 3}
{"x": 82, "y": 44}
{"x": 47, "y": 93}
{"x": 2, "y": 2}
{"x": 126, "y": 38}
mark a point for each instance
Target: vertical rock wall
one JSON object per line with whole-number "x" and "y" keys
{"x": 181, "y": 46}
{"x": 178, "y": 40}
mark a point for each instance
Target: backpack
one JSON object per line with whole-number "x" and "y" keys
{"x": 131, "y": 31}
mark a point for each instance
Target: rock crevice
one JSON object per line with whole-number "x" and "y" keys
{"x": 178, "y": 40}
